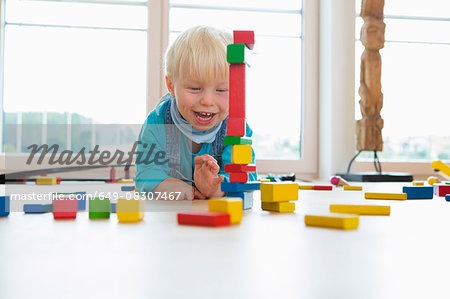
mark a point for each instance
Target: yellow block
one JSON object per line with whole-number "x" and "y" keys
{"x": 357, "y": 188}
{"x": 305, "y": 187}
{"x": 439, "y": 165}
{"x": 126, "y": 181}
{"x": 282, "y": 207}
{"x": 361, "y": 209}
{"x": 342, "y": 221}
{"x": 418, "y": 183}
{"x": 241, "y": 154}
{"x": 130, "y": 210}
{"x": 46, "y": 181}
{"x": 432, "y": 180}
{"x": 279, "y": 191}
{"x": 230, "y": 205}
{"x": 264, "y": 181}
{"x": 393, "y": 196}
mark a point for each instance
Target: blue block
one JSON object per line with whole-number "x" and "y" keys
{"x": 37, "y": 208}
{"x": 4, "y": 206}
{"x": 447, "y": 197}
{"x": 81, "y": 196}
{"x": 239, "y": 187}
{"x": 247, "y": 198}
{"x": 113, "y": 207}
{"x": 127, "y": 188}
{"x": 418, "y": 192}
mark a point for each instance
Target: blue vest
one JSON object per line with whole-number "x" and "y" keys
{"x": 173, "y": 145}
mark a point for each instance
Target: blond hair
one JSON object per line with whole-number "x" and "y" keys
{"x": 199, "y": 53}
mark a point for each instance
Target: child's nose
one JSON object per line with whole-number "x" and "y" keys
{"x": 207, "y": 99}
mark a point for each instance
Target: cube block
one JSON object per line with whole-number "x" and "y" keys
{"x": 237, "y": 54}
{"x": 247, "y": 198}
{"x": 230, "y": 205}
{"x": 246, "y": 37}
{"x": 442, "y": 190}
{"x": 241, "y": 154}
{"x": 65, "y": 207}
{"x": 238, "y": 177}
{"x": 279, "y": 191}
{"x": 99, "y": 208}
{"x": 4, "y": 206}
{"x": 341, "y": 221}
{"x": 130, "y": 210}
{"x": 281, "y": 207}
{"x": 204, "y": 218}
{"x": 235, "y": 126}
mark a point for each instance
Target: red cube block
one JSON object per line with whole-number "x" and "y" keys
{"x": 229, "y": 168}
{"x": 443, "y": 190}
{"x": 204, "y": 218}
{"x": 318, "y": 187}
{"x": 65, "y": 208}
{"x": 236, "y": 126}
{"x": 244, "y": 37}
{"x": 238, "y": 177}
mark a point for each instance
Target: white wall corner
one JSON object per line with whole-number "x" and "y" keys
{"x": 337, "y": 141}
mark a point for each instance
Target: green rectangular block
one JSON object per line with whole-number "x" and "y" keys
{"x": 99, "y": 208}
{"x": 237, "y": 54}
{"x": 234, "y": 140}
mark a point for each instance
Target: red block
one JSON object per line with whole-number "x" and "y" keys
{"x": 443, "y": 190}
{"x": 58, "y": 180}
{"x": 236, "y": 126}
{"x": 65, "y": 208}
{"x": 244, "y": 37}
{"x": 204, "y": 218}
{"x": 237, "y": 91}
{"x": 322, "y": 187}
{"x": 229, "y": 168}
{"x": 238, "y": 177}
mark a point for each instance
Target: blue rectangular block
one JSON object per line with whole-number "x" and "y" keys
{"x": 447, "y": 197}
{"x": 4, "y": 206}
{"x": 418, "y": 192}
{"x": 247, "y": 198}
{"x": 127, "y": 188}
{"x": 239, "y": 187}
{"x": 37, "y": 208}
{"x": 81, "y": 197}
{"x": 113, "y": 207}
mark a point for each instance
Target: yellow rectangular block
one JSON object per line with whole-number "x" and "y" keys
{"x": 418, "y": 183}
{"x": 342, "y": 221}
{"x": 305, "y": 187}
{"x": 45, "y": 181}
{"x": 130, "y": 210}
{"x": 230, "y": 205}
{"x": 241, "y": 154}
{"x": 391, "y": 196}
{"x": 361, "y": 209}
{"x": 126, "y": 181}
{"x": 279, "y": 191}
{"x": 357, "y": 188}
{"x": 281, "y": 207}
{"x": 264, "y": 181}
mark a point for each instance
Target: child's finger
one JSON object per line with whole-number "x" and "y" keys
{"x": 198, "y": 161}
{"x": 198, "y": 194}
{"x": 218, "y": 180}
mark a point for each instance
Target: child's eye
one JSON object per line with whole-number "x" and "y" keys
{"x": 194, "y": 88}
{"x": 222, "y": 90}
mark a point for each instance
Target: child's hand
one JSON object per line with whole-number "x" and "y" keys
{"x": 172, "y": 185}
{"x": 205, "y": 176}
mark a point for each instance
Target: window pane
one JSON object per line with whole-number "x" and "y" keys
{"x": 429, "y": 8}
{"x": 259, "y": 4}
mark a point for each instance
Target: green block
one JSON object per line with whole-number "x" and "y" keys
{"x": 233, "y": 140}
{"x": 237, "y": 54}
{"x": 99, "y": 208}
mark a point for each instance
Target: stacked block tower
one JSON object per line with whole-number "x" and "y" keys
{"x": 241, "y": 152}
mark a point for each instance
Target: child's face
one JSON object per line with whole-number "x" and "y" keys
{"x": 202, "y": 104}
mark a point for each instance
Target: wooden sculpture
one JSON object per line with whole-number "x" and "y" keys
{"x": 368, "y": 129}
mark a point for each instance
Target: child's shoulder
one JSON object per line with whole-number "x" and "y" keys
{"x": 158, "y": 114}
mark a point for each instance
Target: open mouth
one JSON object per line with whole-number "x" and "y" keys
{"x": 204, "y": 117}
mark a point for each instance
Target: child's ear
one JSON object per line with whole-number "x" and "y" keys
{"x": 170, "y": 86}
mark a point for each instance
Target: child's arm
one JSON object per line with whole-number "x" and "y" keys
{"x": 205, "y": 176}
{"x": 172, "y": 185}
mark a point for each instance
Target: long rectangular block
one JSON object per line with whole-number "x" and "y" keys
{"x": 246, "y": 37}
{"x": 341, "y": 221}
{"x": 65, "y": 208}
{"x": 235, "y": 126}
{"x": 361, "y": 209}
{"x": 230, "y": 205}
{"x": 229, "y": 168}
{"x": 238, "y": 177}
{"x": 238, "y": 54}
{"x": 323, "y": 188}
{"x": 113, "y": 207}
{"x": 37, "y": 208}
{"x": 281, "y": 207}
{"x": 418, "y": 183}
{"x": 420, "y": 192}
{"x": 279, "y": 191}
{"x": 4, "y": 206}
{"x": 387, "y": 196}
{"x": 247, "y": 198}
{"x": 232, "y": 140}
{"x": 442, "y": 189}
{"x": 99, "y": 208}
{"x": 240, "y": 187}
{"x": 127, "y": 188}
{"x": 130, "y": 210}
{"x": 305, "y": 187}
{"x": 352, "y": 188}
{"x": 204, "y": 218}
{"x": 241, "y": 154}
{"x": 46, "y": 181}
{"x": 236, "y": 91}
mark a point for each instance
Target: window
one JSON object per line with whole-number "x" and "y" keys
{"x": 69, "y": 65}
{"x": 274, "y": 84}
{"x": 415, "y": 80}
